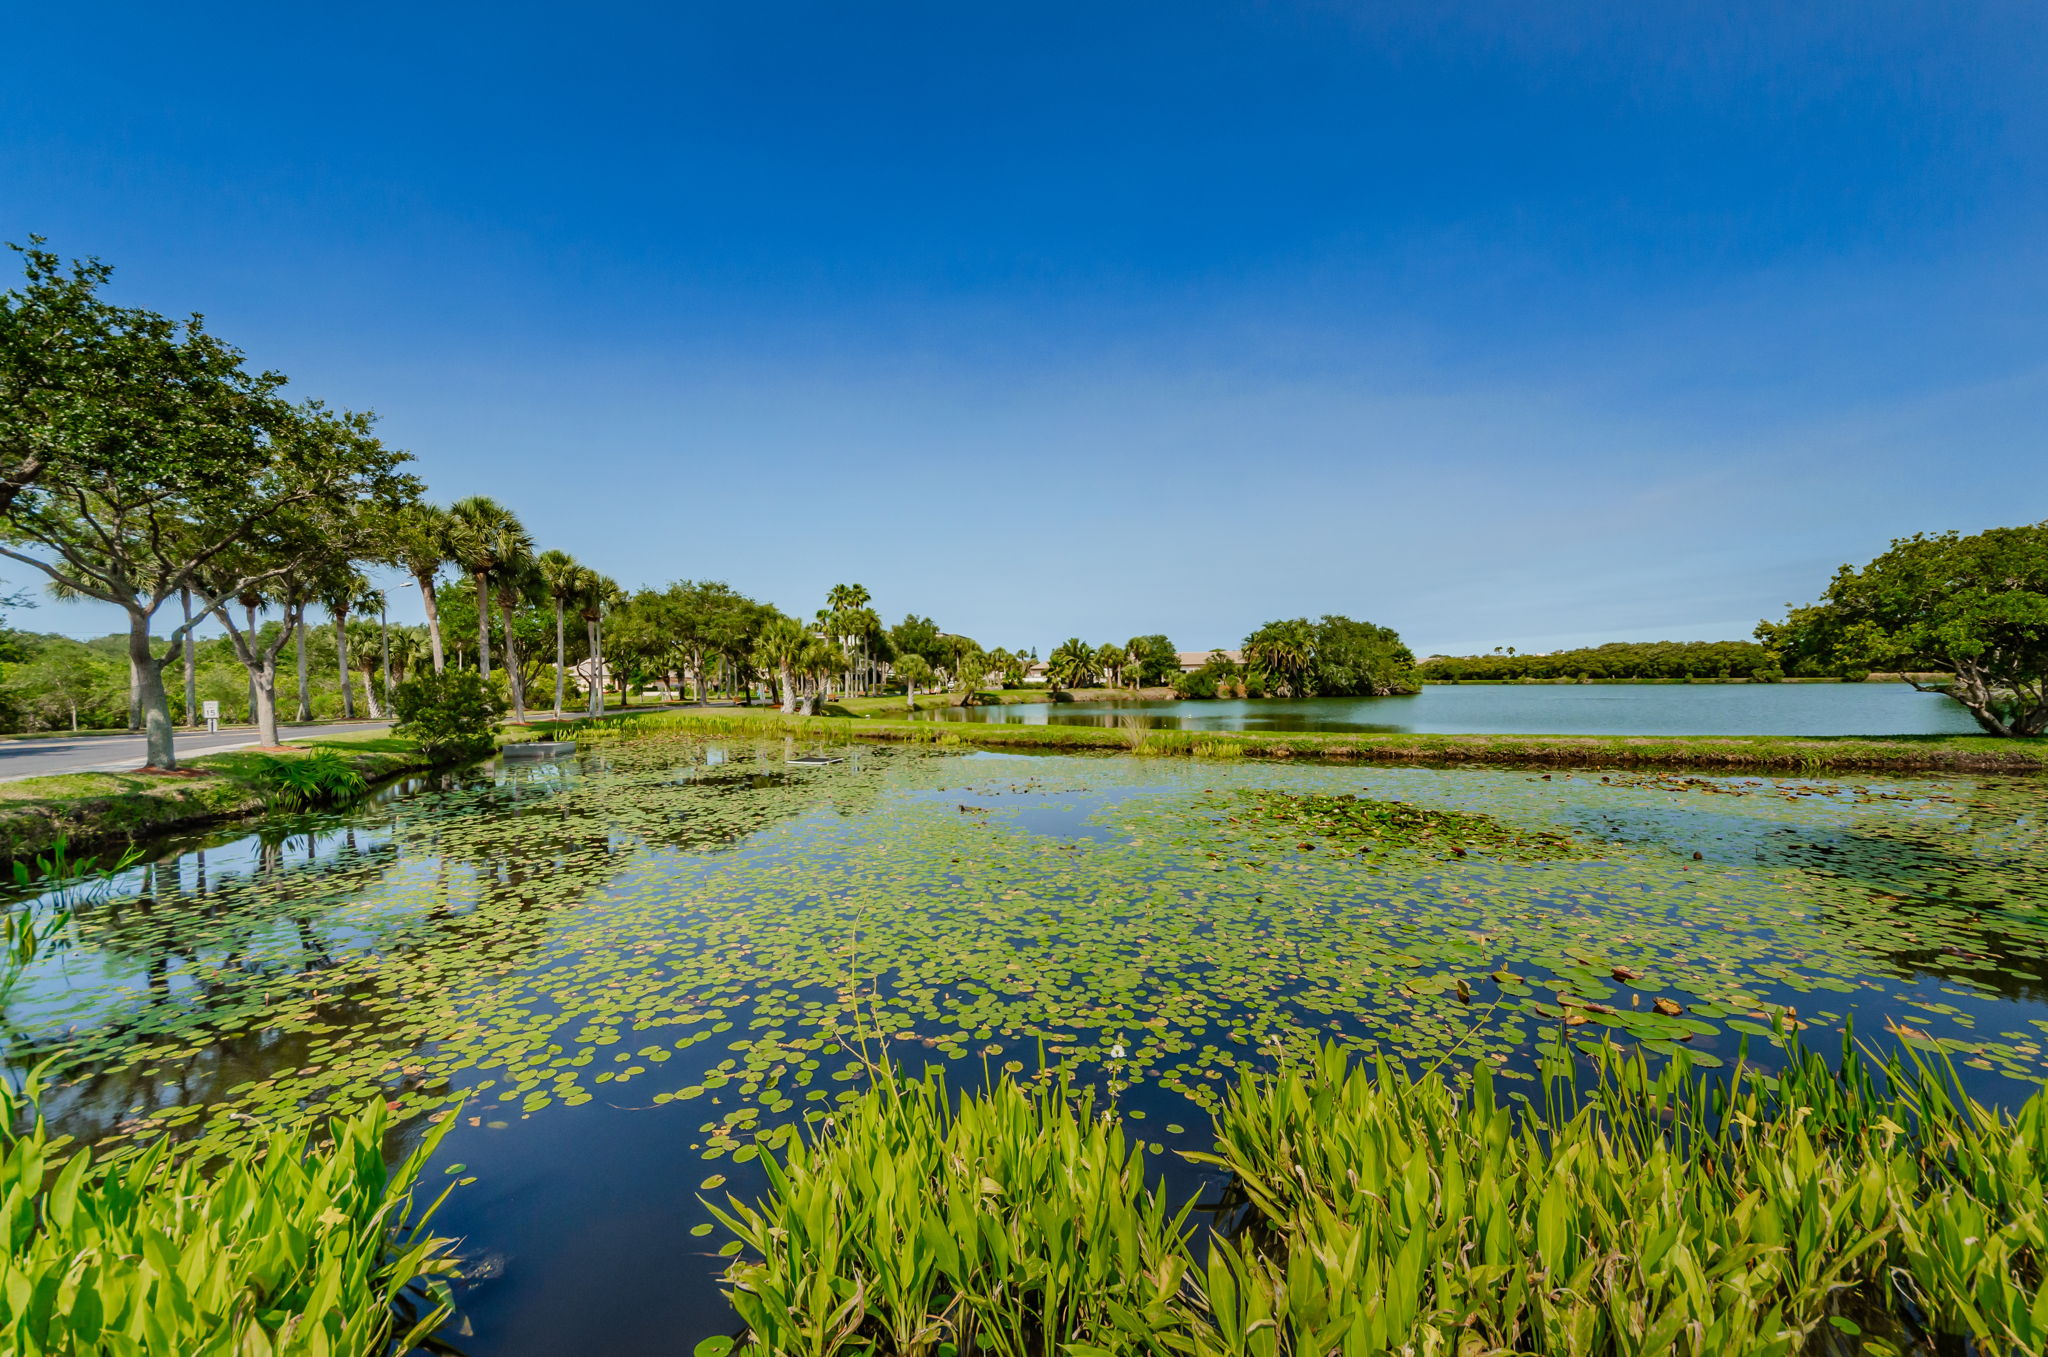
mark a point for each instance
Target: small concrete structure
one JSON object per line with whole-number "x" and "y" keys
{"x": 539, "y": 749}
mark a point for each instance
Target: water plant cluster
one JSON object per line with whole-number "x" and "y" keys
{"x": 1346, "y": 821}
{"x": 1371, "y": 1210}
{"x": 305, "y": 1245}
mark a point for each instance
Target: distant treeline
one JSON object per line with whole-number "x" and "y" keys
{"x": 1621, "y": 660}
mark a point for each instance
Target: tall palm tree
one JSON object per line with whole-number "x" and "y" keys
{"x": 414, "y": 537}
{"x": 559, "y": 575}
{"x": 342, "y": 594}
{"x": 518, "y": 583}
{"x": 483, "y": 537}
{"x": 372, "y": 600}
{"x": 596, "y": 594}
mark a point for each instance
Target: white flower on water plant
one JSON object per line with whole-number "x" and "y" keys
{"x": 1116, "y": 1052}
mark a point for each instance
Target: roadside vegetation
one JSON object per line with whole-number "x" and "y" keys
{"x": 107, "y": 808}
{"x": 1370, "y": 1209}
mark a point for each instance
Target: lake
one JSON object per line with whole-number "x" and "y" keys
{"x": 623, "y": 974}
{"x": 1537, "y": 709}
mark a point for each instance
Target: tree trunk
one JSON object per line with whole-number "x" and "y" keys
{"x": 384, "y": 641}
{"x": 146, "y": 676}
{"x": 249, "y": 612}
{"x": 483, "y": 623}
{"x": 512, "y": 673}
{"x": 191, "y": 665}
{"x": 263, "y": 683}
{"x": 305, "y": 701}
{"x": 370, "y": 696}
{"x": 593, "y": 692}
{"x": 348, "y": 687}
{"x": 426, "y": 583}
{"x": 788, "y": 691}
{"x": 561, "y": 654}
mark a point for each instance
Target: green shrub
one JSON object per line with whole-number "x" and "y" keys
{"x": 321, "y": 778}
{"x": 299, "y": 1248}
{"x": 453, "y": 715}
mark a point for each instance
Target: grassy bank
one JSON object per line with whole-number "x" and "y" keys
{"x": 93, "y": 811}
{"x": 1973, "y": 753}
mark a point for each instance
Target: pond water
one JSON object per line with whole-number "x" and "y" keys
{"x": 1537, "y": 709}
{"x": 623, "y": 971}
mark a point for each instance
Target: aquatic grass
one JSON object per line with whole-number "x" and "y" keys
{"x": 1014, "y": 1222}
{"x": 1633, "y": 1209}
{"x": 305, "y": 1246}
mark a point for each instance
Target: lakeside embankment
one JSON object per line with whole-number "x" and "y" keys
{"x": 1904, "y": 753}
{"x": 93, "y": 811}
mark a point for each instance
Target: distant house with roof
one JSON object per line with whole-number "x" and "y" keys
{"x": 1191, "y": 660}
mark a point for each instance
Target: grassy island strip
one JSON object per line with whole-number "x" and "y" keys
{"x": 1904, "y": 753}
{"x": 90, "y": 811}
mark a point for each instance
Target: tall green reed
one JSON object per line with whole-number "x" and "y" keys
{"x": 1628, "y": 1210}
{"x": 305, "y": 1247}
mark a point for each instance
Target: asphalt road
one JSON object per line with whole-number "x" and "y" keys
{"x": 110, "y": 753}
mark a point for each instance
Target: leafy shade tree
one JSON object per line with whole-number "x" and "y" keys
{"x": 1358, "y": 659}
{"x": 1973, "y": 609}
{"x": 919, "y": 636}
{"x": 483, "y": 537}
{"x": 210, "y": 460}
{"x": 1614, "y": 660}
{"x": 453, "y": 715}
{"x": 62, "y": 678}
{"x": 1071, "y": 664}
{"x": 1150, "y": 661}
{"x": 414, "y": 537}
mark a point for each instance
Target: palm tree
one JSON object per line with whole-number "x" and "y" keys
{"x": 342, "y": 594}
{"x": 414, "y": 537}
{"x": 1286, "y": 650}
{"x": 559, "y": 575}
{"x": 407, "y": 648}
{"x": 1109, "y": 662}
{"x": 372, "y": 600}
{"x": 783, "y": 646}
{"x": 1071, "y": 664}
{"x": 483, "y": 537}
{"x": 518, "y": 582}
{"x": 595, "y": 594}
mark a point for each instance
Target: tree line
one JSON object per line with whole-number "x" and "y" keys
{"x": 1615, "y": 660}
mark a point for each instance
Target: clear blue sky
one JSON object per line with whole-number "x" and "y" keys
{"x": 1498, "y": 323}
